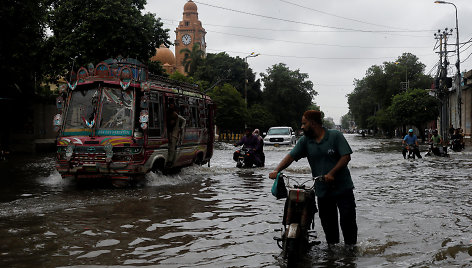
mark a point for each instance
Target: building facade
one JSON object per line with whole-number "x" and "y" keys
{"x": 188, "y": 33}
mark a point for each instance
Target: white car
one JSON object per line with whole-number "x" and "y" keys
{"x": 280, "y": 136}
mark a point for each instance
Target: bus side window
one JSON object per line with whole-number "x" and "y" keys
{"x": 194, "y": 116}
{"x": 156, "y": 117}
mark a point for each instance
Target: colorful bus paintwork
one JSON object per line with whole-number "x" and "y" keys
{"x": 111, "y": 122}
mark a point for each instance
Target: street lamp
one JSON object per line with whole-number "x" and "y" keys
{"x": 458, "y": 64}
{"x": 252, "y": 55}
{"x": 406, "y": 76}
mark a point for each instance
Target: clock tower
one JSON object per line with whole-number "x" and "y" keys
{"x": 189, "y": 32}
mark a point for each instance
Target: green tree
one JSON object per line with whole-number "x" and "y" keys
{"x": 22, "y": 56}
{"x": 192, "y": 58}
{"x": 231, "y": 113}
{"x": 375, "y": 91}
{"x": 260, "y": 117}
{"x": 346, "y": 121}
{"x": 155, "y": 67}
{"x": 415, "y": 107}
{"x": 361, "y": 102}
{"x": 383, "y": 120}
{"x": 22, "y": 51}
{"x": 181, "y": 77}
{"x": 219, "y": 68}
{"x": 287, "y": 94}
{"x": 91, "y": 31}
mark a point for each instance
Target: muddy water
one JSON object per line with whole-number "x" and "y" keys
{"x": 411, "y": 213}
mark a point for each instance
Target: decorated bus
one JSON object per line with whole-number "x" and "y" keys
{"x": 115, "y": 121}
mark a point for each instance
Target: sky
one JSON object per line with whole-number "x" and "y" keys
{"x": 334, "y": 42}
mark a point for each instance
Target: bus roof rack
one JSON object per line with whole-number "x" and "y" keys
{"x": 187, "y": 86}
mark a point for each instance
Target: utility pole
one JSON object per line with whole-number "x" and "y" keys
{"x": 457, "y": 80}
{"x": 442, "y": 91}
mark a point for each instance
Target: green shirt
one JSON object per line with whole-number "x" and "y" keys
{"x": 436, "y": 139}
{"x": 322, "y": 157}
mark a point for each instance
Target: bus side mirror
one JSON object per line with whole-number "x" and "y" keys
{"x": 144, "y": 119}
{"x": 57, "y": 122}
{"x": 59, "y": 103}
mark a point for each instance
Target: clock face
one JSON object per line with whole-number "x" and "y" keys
{"x": 186, "y": 39}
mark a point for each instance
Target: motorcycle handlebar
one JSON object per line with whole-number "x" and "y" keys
{"x": 299, "y": 185}
{"x": 319, "y": 179}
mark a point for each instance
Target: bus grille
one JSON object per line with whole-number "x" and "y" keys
{"x": 88, "y": 158}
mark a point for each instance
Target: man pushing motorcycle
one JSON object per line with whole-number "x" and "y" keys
{"x": 328, "y": 155}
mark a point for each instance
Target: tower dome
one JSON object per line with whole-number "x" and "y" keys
{"x": 164, "y": 55}
{"x": 190, "y": 6}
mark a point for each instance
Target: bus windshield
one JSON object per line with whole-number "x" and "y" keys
{"x": 81, "y": 112}
{"x": 116, "y": 106}
{"x": 117, "y": 112}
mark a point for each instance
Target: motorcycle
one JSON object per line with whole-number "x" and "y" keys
{"x": 299, "y": 211}
{"x": 244, "y": 157}
{"x": 410, "y": 149}
{"x": 456, "y": 145}
{"x": 436, "y": 150}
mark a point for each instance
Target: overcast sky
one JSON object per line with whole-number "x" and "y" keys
{"x": 333, "y": 41}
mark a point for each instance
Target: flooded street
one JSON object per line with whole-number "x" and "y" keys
{"x": 410, "y": 213}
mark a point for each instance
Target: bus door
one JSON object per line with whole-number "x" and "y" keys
{"x": 156, "y": 129}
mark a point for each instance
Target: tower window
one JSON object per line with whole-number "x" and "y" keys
{"x": 187, "y": 23}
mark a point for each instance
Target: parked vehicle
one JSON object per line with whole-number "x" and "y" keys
{"x": 280, "y": 136}
{"x": 111, "y": 122}
{"x": 298, "y": 215}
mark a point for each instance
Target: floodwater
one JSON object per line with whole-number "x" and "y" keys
{"x": 410, "y": 213}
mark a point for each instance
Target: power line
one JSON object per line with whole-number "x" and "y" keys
{"x": 303, "y": 23}
{"x": 466, "y": 58}
{"x": 337, "y": 16}
{"x": 313, "y": 44}
{"x": 301, "y": 31}
{"x": 435, "y": 65}
{"x": 309, "y": 57}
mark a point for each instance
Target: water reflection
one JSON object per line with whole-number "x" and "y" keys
{"x": 411, "y": 213}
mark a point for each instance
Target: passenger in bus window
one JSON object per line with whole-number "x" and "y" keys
{"x": 175, "y": 129}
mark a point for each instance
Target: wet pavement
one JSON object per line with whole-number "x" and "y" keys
{"x": 410, "y": 213}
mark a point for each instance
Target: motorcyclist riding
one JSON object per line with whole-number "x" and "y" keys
{"x": 411, "y": 141}
{"x": 259, "y": 150}
{"x": 437, "y": 141}
{"x": 249, "y": 141}
{"x": 457, "y": 140}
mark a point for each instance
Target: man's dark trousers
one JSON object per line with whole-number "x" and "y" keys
{"x": 328, "y": 211}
